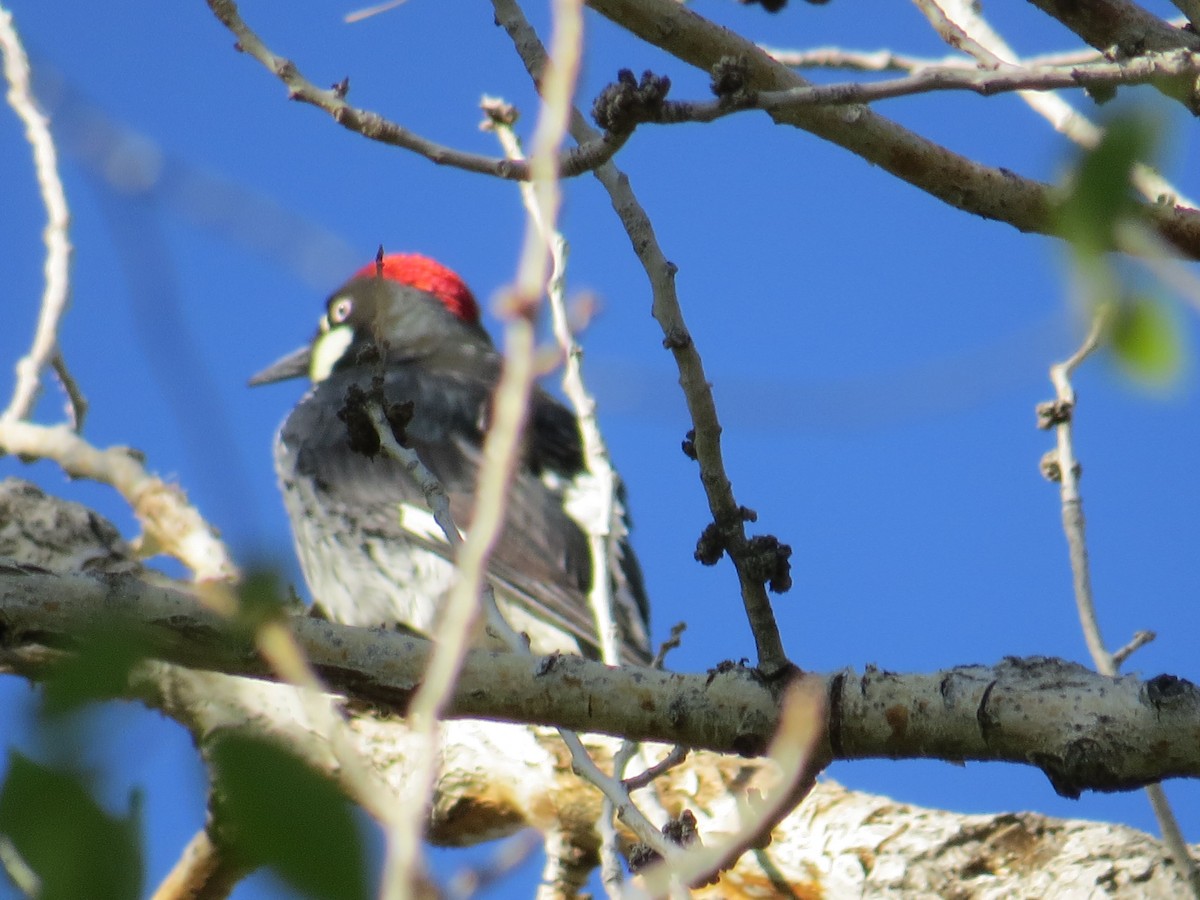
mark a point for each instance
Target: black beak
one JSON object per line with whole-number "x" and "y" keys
{"x": 293, "y": 365}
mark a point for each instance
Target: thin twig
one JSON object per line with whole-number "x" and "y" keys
{"x": 1172, "y": 835}
{"x": 501, "y": 448}
{"x": 456, "y": 626}
{"x": 1191, "y": 9}
{"x": 1072, "y": 502}
{"x": 557, "y": 87}
{"x": 170, "y": 524}
{"x": 1005, "y": 78}
{"x": 377, "y": 128}
{"x": 57, "y": 266}
{"x": 793, "y": 750}
{"x": 727, "y": 513}
{"x": 203, "y": 870}
{"x": 77, "y": 405}
{"x": 593, "y": 498}
{"x": 888, "y": 61}
{"x": 596, "y": 511}
{"x": 1063, "y": 117}
{"x": 439, "y": 506}
{"x": 954, "y": 34}
{"x": 1140, "y": 639}
{"x": 612, "y": 869}
{"x": 1074, "y": 525}
{"x": 671, "y": 643}
{"x": 675, "y": 757}
{"x": 961, "y": 182}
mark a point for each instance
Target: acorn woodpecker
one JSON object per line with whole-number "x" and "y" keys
{"x": 368, "y": 545}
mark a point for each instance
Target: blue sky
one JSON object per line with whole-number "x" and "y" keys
{"x": 876, "y": 355}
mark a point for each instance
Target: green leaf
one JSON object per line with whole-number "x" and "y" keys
{"x": 280, "y": 813}
{"x": 75, "y": 847}
{"x": 1100, "y": 195}
{"x": 1146, "y": 341}
{"x": 98, "y": 671}
{"x": 262, "y": 599}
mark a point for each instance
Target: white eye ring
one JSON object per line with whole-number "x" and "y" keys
{"x": 339, "y": 310}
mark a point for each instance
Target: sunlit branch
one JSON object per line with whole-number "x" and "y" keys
{"x": 57, "y": 266}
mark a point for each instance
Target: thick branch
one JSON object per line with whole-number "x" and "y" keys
{"x": 496, "y": 779}
{"x": 1084, "y": 730}
{"x": 963, "y": 183}
{"x": 1118, "y": 25}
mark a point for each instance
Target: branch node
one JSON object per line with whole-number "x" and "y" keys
{"x": 689, "y": 444}
{"x": 677, "y": 338}
{"x": 626, "y": 102}
{"x": 767, "y": 560}
{"x": 360, "y": 427}
{"x": 731, "y": 77}
{"x": 711, "y": 545}
{"x": 1051, "y": 468}
{"x": 1054, "y": 412}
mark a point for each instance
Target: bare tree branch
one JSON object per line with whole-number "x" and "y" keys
{"x": 377, "y": 128}
{"x": 962, "y": 183}
{"x": 203, "y": 872}
{"x": 1118, "y": 25}
{"x": 171, "y": 524}
{"x": 886, "y": 60}
{"x": 1061, "y": 414}
{"x": 58, "y": 218}
{"x": 729, "y": 517}
{"x": 1086, "y": 731}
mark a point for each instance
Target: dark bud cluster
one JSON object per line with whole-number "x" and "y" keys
{"x": 398, "y": 417}
{"x": 771, "y": 6}
{"x": 725, "y": 666}
{"x": 689, "y": 444}
{"x": 711, "y": 545}
{"x": 1054, "y": 412}
{"x": 774, "y": 6}
{"x": 730, "y": 76}
{"x": 767, "y": 561}
{"x": 1051, "y": 467}
{"x": 625, "y": 103}
{"x": 677, "y": 339}
{"x": 1166, "y": 691}
{"x": 360, "y": 428}
{"x": 681, "y": 831}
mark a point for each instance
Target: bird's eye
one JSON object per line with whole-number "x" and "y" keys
{"x": 339, "y": 310}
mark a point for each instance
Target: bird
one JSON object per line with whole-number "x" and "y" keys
{"x": 370, "y": 550}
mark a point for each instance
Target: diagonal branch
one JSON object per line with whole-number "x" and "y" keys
{"x": 58, "y": 217}
{"x": 728, "y": 515}
{"x": 956, "y": 180}
{"x": 1118, "y": 25}
{"x": 377, "y": 128}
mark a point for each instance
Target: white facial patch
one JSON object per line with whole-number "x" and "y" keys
{"x": 329, "y": 347}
